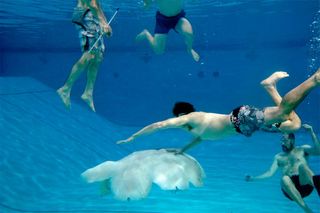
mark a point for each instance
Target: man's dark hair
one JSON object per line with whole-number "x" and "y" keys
{"x": 182, "y": 108}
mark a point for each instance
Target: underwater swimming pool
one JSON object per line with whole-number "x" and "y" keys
{"x": 44, "y": 147}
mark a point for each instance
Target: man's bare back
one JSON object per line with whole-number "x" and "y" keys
{"x": 210, "y": 126}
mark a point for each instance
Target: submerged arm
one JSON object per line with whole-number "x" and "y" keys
{"x": 315, "y": 150}
{"x": 170, "y": 123}
{"x": 267, "y": 174}
{"x": 194, "y": 142}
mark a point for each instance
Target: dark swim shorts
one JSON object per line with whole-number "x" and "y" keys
{"x": 304, "y": 190}
{"x": 247, "y": 119}
{"x": 165, "y": 23}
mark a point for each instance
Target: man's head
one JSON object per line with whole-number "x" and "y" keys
{"x": 182, "y": 108}
{"x": 287, "y": 142}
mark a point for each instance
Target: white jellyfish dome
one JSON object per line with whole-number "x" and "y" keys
{"x": 132, "y": 177}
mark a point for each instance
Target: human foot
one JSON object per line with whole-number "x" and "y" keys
{"x": 195, "y": 55}
{"x": 88, "y": 99}
{"x": 274, "y": 78}
{"x": 65, "y": 97}
{"x": 141, "y": 36}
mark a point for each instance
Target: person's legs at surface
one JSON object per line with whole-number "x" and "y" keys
{"x": 77, "y": 69}
{"x": 92, "y": 72}
{"x": 185, "y": 29}
{"x": 291, "y": 100}
{"x": 290, "y": 190}
{"x": 293, "y": 123}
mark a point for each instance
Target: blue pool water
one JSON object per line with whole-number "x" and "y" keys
{"x": 44, "y": 147}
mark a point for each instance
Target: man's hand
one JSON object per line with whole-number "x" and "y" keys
{"x": 307, "y": 127}
{"x": 106, "y": 29}
{"x": 125, "y": 141}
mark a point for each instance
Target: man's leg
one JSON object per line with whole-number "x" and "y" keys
{"x": 157, "y": 42}
{"x": 77, "y": 69}
{"x": 291, "y": 100}
{"x": 269, "y": 84}
{"x": 185, "y": 29}
{"x": 92, "y": 73}
{"x": 308, "y": 177}
{"x": 289, "y": 187}
{"x": 305, "y": 175}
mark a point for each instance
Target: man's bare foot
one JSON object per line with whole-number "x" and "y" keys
{"x": 274, "y": 78}
{"x": 141, "y": 36}
{"x": 195, "y": 55}
{"x": 88, "y": 99}
{"x": 65, "y": 97}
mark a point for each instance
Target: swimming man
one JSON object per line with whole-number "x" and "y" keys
{"x": 244, "y": 119}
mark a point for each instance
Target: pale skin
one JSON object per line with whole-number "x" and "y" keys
{"x": 157, "y": 42}
{"x": 293, "y": 122}
{"x": 293, "y": 162}
{"x": 213, "y": 126}
{"x": 90, "y": 60}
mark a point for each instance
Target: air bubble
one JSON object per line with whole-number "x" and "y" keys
{"x": 314, "y": 44}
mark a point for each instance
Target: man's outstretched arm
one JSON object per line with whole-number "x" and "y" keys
{"x": 265, "y": 175}
{"x": 170, "y": 123}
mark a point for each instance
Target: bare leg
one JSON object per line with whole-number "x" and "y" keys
{"x": 270, "y": 85}
{"x": 185, "y": 29}
{"x": 77, "y": 69}
{"x": 157, "y": 42}
{"x": 291, "y": 100}
{"x": 93, "y": 69}
{"x": 289, "y": 187}
{"x": 293, "y": 123}
{"x": 305, "y": 175}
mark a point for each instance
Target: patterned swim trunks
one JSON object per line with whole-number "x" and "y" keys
{"x": 89, "y": 29}
{"x": 247, "y": 119}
